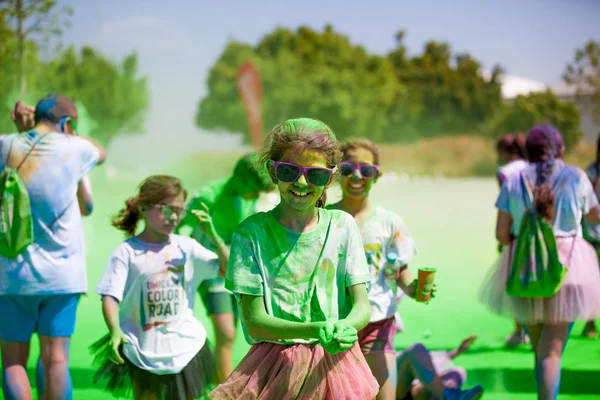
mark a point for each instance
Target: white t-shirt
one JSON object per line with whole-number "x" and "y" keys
{"x": 156, "y": 285}
{"x": 383, "y": 232}
{"x": 511, "y": 168}
{"x": 573, "y": 194}
{"x": 55, "y": 262}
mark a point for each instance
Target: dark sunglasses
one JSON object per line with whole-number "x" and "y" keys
{"x": 169, "y": 211}
{"x": 288, "y": 172}
{"x": 367, "y": 171}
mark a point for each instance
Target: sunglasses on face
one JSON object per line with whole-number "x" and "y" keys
{"x": 367, "y": 171}
{"x": 288, "y": 172}
{"x": 170, "y": 211}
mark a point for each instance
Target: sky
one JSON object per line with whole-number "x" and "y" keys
{"x": 178, "y": 41}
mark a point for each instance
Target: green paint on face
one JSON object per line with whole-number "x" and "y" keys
{"x": 301, "y": 195}
{"x": 355, "y": 185}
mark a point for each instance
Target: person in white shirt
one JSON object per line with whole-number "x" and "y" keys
{"x": 156, "y": 346}
{"x": 389, "y": 248}
{"x": 41, "y": 287}
{"x": 512, "y": 158}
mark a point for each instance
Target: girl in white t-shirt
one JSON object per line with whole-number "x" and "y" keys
{"x": 156, "y": 346}
{"x": 389, "y": 247}
{"x": 512, "y": 158}
{"x": 563, "y": 196}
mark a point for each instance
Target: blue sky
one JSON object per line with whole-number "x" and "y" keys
{"x": 179, "y": 40}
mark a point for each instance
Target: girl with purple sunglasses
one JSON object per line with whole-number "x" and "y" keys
{"x": 299, "y": 274}
{"x": 389, "y": 248}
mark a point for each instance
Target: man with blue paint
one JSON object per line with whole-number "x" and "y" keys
{"x": 41, "y": 287}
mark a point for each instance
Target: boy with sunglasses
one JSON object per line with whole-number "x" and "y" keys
{"x": 229, "y": 202}
{"x": 42, "y": 286}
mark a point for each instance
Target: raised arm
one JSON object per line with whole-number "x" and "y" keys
{"x": 23, "y": 116}
{"x": 208, "y": 228}
{"x": 84, "y": 196}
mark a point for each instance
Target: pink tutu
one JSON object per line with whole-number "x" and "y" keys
{"x": 301, "y": 371}
{"x": 577, "y": 299}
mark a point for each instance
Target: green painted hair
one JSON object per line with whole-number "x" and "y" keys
{"x": 302, "y": 134}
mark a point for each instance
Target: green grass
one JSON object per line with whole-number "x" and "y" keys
{"x": 452, "y": 222}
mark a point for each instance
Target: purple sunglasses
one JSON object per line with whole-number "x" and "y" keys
{"x": 367, "y": 171}
{"x": 288, "y": 172}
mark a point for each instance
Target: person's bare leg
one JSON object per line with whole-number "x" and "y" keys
{"x": 40, "y": 378}
{"x": 55, "y": 356}
{"x": 384, "y": 369}
{"x": 589, "y": 330}
{"x": 550, "y": 350}
{"x": 518, "y": 337}
{"x": 419, "y": 392}
{"x": 15, "y": 383}
{"x": 416, "y": 363}
{"x": 535, "y": 333}
{"x": 141, "y": 391}
{"x": 225, "y": 331}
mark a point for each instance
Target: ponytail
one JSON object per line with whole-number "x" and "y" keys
{"x": 322, "y": 202}
{"x": 543, "y": 194}
{"x": 127, "y": 219}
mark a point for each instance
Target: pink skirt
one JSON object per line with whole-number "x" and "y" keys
{"x": 301, "y": 371}
{"x": 577, "y": 299}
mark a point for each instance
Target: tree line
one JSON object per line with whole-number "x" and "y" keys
{"x": 111, "y": 94}
{"x": 388, "y": 98}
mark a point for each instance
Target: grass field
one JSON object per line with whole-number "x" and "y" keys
{"x": 452, "y": 222}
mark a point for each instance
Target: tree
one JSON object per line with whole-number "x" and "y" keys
{"x": 452, "y": 95}
{"x": 304, "y": 73}
{"x": 584, "y": 74}
{"x": 535, "y": 108}
{"x": 115, "y": 97}
{"x": 324, "y": 75}
{"x": 34, "y": 19}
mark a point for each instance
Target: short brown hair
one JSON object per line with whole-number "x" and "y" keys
{"x": 360, "y": 143}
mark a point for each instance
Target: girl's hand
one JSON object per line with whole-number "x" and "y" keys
{"x": 205, "y": 221}
{"x": 336, "y": 338}
{"x": 431, "y": 294}
{"x": 326, "y": 337}
{"x": 116, "y": 340}
{"x": 326, "y": 333}
{"x": 345, "y": 335}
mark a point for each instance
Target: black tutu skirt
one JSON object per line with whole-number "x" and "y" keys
{"x": 195, "y": 381}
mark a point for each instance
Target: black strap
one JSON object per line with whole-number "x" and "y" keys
{"x": 26, "y": 156}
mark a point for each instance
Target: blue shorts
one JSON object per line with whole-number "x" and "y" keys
{"x": 49, "y": 315}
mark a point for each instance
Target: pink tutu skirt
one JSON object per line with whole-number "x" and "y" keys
{"x": 301, "y": 371}
{"x": 577, "y": 299}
